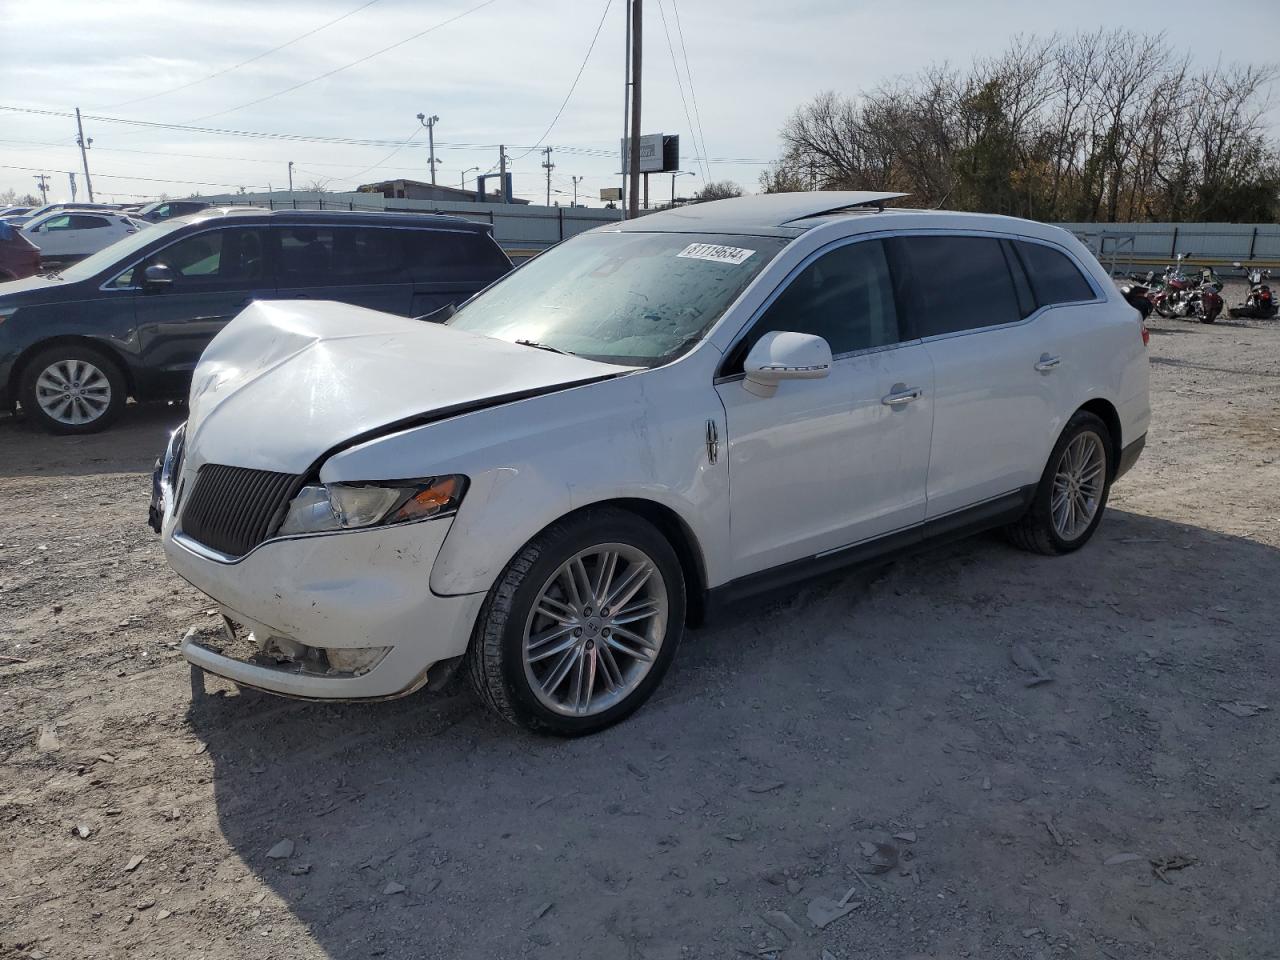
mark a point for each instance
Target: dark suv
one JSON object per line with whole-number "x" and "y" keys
{"x": 168, "y": 209}
{"x": 133, "y": 319}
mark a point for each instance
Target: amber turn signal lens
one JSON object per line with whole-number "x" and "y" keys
{"x": 442, "y": 494}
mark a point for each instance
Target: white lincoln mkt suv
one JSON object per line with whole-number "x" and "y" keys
{"x": 638, "y": 425}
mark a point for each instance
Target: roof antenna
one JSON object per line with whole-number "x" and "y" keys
{"x": 944, "y": 199}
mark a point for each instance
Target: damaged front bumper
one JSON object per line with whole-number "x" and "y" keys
{"x": 347, "y": 615}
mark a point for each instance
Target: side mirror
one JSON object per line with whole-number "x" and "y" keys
{"x": 783, "y": 355}
{"x": 158, "y": 276}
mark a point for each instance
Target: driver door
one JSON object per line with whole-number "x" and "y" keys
{"x": 824, "y": 464}
{"x": 216, "y": 274}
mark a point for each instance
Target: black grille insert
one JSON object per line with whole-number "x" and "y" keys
{"x": 233, "y": 509}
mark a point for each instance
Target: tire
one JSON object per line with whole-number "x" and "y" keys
{"x": 1037, "y": 531}
{"x": 96, "y": 409}
{"x": 497, "y": 661}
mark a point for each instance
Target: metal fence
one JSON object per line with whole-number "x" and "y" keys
{"x": 526, "y": 229}
{"x": 523, "y": 230}
{"x": 1125, "y": 246}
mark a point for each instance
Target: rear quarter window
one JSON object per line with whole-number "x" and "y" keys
{"x": 1054, "y": 278}
{"x": 449, "y": 256}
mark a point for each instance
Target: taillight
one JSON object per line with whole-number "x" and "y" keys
{"x": 1146, "y": 334}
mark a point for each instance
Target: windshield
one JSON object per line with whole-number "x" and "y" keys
{"x": 116, "y": 253}
{"x": 621, "y": 297}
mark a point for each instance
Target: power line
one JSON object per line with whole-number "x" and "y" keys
{"x": 706, "y": 172}
{"x": 356, "y": 176}
{"x": 348, "y": 66}
{"x": 693, "y": 94}
{"x": 244, "y": 63}
{"x": 291, "y": 137}
{"x": 573, "y": 86}
{"x": 123, "y": 176}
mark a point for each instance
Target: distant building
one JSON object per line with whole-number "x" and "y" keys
{"x": 417, "y": 190}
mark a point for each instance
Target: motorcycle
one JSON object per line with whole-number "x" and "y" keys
{"x": 1260, "y": 304}
{"x": 1203, "y": 299}
{"x": 1138, "y": 294}
{"x": 1174, "y": 285}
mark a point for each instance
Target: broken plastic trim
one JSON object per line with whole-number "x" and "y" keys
{"x": 291, "y": 656}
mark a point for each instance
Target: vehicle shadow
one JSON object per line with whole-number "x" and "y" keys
{"x": 847, "y": 710}
{"x": 130, "y": 445}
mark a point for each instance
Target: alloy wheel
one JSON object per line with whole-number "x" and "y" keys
{"x": 595, "y": 629}
{"x": 1078, "y": 485}
{"x": 73, "y": 392}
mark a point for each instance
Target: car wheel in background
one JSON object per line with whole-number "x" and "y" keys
{"x": 72, "y": 389}
{"x": 1072, "y": 493}
{"x": 581, "y": 625}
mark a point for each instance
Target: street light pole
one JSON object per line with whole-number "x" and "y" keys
{"x": 464, "y": 176}
{"x": 291, "y": 178}
{"x": 430, "y": 124}
{"x": 576, "y": 181}
{"x": 679, "y": 173}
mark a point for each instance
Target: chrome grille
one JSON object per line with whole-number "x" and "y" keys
{"x": 233, "y": 509}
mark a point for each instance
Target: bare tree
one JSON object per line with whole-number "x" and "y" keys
{"x": 1107, "y": 125}
{"x": 718, "y": 190}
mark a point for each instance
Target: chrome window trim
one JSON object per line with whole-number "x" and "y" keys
{"x": 890, "y": 233}
{"x": 213, "y": 227}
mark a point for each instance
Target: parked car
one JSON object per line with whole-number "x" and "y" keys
{"x": 19, "y": 257}
{"x": 132, "y": 319}
{"x": 642, "y": 424}
{"x": 72, "y": 234}
{"x": 33, "y": 212}
{"x": 167, "y": 209}
{"x": 13, "y": 212}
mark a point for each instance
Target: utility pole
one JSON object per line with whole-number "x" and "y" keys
{"x": 291, "y": 178}
{"x": 637, "y": 36}
{"x": 43, "y": 182}
{"x": 548, "y": 166}
{"x": 502, "y": 171}
{"x": 576, "y": 181}
{"x": 84, "y": 157}
{"x": 626, "y": 108}
{"x": 72, "y": 177}
{"x": 430, "y": 124}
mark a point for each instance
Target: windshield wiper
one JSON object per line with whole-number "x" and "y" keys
{"x": 544, "y": 346}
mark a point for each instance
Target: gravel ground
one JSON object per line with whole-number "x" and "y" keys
{"x": 865, "y": 741}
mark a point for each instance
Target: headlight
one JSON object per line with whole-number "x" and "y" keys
{"x": 350, "y": 506}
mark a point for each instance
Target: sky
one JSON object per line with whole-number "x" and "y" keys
{"x": 494, "y": 72}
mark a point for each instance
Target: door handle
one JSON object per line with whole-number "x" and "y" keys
{"x": 901, "y": 395}
{"x": 1047, "y": 363}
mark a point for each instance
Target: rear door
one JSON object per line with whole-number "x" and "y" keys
{"x": 996, "y": 409}
{"x": 361, "y": 265}
{"x": 76, "y": 234}
{"x": 216, "y": 274}
{"x": 448, "y": 266}
{"x": 825, "y": 464}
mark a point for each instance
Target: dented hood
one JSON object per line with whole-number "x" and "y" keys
{"x": 286, "y": 382}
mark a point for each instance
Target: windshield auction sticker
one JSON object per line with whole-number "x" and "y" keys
{"x": 714, "y": 251}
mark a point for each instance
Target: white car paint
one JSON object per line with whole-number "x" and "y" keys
{"x": 77, "y": 233}
{"x": 755, "y": 482}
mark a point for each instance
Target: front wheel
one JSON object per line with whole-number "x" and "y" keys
{"x": 1072, "y": 493}
{"x": 581, "y": 625}
{"x": 72, "y": 389}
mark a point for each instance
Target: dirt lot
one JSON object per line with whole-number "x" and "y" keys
{"x": 139, "y": 805}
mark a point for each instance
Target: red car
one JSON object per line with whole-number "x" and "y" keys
{"x": 19, "y": 257}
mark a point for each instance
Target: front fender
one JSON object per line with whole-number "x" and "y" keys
{"x": 532, "y": 462}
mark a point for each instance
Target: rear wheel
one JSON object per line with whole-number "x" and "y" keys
{"x": 581, "y": 625}
{"x": 72, "y": 389}
{"x": 1072, "y": 493}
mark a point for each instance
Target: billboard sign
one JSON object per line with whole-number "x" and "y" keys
{"x": 658, "y": 153}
